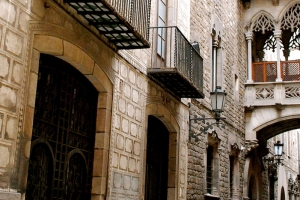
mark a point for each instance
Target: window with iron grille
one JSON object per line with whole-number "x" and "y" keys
{"x": 209, "y": 169}
{"x": 231, "y": 175}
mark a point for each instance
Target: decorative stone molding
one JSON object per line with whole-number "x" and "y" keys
{"x": 249, "y": 108}
{"x": 279, "y": 106}
{"x": 213, "y": 134}
{"x": 275, "y": 2}
{"x": 235, "y": 147}
{"x": 235, "y": 150}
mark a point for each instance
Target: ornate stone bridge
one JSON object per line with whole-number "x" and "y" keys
{"x": 271, "y": 108}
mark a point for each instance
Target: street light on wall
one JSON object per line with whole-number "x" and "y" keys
{"x": 276, "y": 159}
{"x": 272, "y": 163}
{"x": 217, "y": 104}
{"x": 278, "y": 149}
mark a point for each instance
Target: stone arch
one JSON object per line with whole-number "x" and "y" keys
{"x": 84, "y": 61}
{"x": 276, "y": 126}
{"x": 261, "y": 27}
{"x": 263, "y": 17}
{"x": 165, "y": 116}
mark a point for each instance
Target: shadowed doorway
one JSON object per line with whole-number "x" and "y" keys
{"x": 157, "y": 160}
{"x": 63, "y": 133}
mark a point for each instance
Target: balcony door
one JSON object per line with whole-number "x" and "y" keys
{"x": 63, "y": 133}
{"x": 157, "y": 160}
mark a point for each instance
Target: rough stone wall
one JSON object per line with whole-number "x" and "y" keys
{"x": 13, "y": 56}
{"x": 233, "y": 63}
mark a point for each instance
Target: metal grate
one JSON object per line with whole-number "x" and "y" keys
{"x": 231, "y": 175}
{"x": 291, "y": 70}
{"x": 264, "y": 72}
{"x": 267, "y": 71}
{"x": 63, "y": 133}
{"x": 124, "y": 23}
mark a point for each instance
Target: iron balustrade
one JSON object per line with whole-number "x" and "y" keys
{"x": 171, "y": 51}
{"x": 124, "y": 23}
{"x": 136, "y": 12}
{"x": 267, "y": 71}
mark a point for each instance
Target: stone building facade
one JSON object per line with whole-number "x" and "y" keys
{"x": 105, "y": 123}
{"x": 217, "y": 25}
{"x": 38, "y": 34}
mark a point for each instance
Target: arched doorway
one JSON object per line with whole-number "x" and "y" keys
{"x": 63, "y": 134}
{"x": 157, "y": 160}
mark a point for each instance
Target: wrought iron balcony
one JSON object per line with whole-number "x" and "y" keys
{"x": 267, "y": 71}
{"x": 124, "y": 23}
{"x": 176, "y": 64}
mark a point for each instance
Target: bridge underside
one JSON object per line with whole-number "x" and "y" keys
{"x": 274, "y": 129}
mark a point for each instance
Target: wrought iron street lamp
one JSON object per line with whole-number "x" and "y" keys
{"x": 217, "y": 104}
{"x": 271, "y": 163}
{"x": 278, "y": 149}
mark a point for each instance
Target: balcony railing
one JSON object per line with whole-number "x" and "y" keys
{"x": 276, "y": 93}
{"x": 124, "y": 22}
{"x": 175, "y": 63}
{"x": 267, "y": 71}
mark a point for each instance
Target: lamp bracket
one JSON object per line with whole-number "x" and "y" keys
{"x": 272, "y": 162}
{"x": 207, "y": 127}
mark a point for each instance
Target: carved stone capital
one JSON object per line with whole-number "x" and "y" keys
{"x": 249, "y": 36}
{"x": 213, "y": 134}
{"x": 279, "y": 106}
{"x": 250, "y": 145}
{"x": 249, "y": 108}
{"x": 277, "y": 34}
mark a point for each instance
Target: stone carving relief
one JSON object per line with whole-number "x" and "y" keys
{"x": 250, "y": 145}
{"x": 264, "y": 93}
{"x": 292, "y": 92}
{"x": 235, "y": 149}
{"x": 263, "y": 23}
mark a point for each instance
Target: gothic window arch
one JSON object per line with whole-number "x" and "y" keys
{"x": 263, "y": 23}
{"x": 262, "y": 27}
{"x": 290, "y": 20}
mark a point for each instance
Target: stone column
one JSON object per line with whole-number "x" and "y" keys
{"x": 249, "y": 43}
{"x": 277, "y": 36}
{"x": 215, "y": 46}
